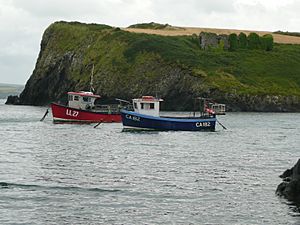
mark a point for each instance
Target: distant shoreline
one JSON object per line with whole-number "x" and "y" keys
{"x": 10, "y": 89}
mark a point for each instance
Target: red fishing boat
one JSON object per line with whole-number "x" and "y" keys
{"x": 81, "y": 108}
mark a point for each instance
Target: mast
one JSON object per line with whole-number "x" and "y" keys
{"x": 195, "y": 107}
{"x": 202, "y": 103}
{"x": 92, "y": 80}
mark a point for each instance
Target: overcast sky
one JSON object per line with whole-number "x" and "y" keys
{"x": 22, "y": 22}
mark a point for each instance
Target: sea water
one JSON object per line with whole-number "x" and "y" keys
{"x": 78, "y": 174}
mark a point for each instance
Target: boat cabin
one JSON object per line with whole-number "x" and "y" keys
{"x": 219, "y": 109}
{"x": 209, "y": 106}
{"x": 82, "y": 100}
{"x": 148, "y": 105}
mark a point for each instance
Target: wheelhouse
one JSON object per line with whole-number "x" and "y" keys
{"x": 219, "y": 109}
{"x": 82, "y": 100}
{"x": 148, "y": 105}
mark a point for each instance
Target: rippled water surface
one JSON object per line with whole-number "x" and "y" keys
{"x": 75, "y": 174}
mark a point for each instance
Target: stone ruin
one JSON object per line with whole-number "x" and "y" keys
{"x": 212, "y": 40}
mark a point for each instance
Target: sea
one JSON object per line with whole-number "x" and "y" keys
{"x": 78, "y": 174}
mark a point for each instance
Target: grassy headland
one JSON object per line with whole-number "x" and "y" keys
{"x": 130, "y": 64}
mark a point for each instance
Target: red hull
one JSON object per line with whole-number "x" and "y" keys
{"x": 66, "y": 114}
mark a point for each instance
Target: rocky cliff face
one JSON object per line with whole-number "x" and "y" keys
{"x": 54, "y": 83}
{"x": 290, "y": 187}
{"x": 266, "y": 103}
{"x": 58, "y": 72}
{"x": 130, "y": 65}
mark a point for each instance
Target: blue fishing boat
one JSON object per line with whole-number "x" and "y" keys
{"x": 145, "y": 115}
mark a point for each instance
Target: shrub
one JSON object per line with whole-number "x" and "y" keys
{"x": 233, "y": 42}
{"x": 267, "y": 42}
{"x": 243, "y": 42}
{"x": 253, "y": 41}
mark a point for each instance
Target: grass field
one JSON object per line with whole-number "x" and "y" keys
{"x": 278, "y": 38}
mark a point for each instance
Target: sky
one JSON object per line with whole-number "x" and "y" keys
{"x": 22, "y": 22}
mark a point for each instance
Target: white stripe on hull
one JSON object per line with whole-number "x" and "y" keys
{"x": 137, "y": 128}
{"x": 55, "y": 119}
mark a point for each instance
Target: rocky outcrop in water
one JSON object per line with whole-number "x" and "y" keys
{"x": 290, "y": 187}
{"x": 13, "y": 100}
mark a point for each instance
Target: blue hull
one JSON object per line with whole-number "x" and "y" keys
{"x": 135, "y": 120}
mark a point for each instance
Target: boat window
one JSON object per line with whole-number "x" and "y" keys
{"x": 70, "y": 98}
{"x": 86, "y": 99}
{"x": 147, "y": 106}
{"x": 135, "y": 105}
{"x": 76, "y": 98}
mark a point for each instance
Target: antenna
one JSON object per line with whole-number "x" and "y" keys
{"x": 194, "y": 107}
{"x": 92, "y": 80}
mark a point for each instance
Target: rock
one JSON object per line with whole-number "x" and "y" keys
{"x": 287, "y": 174}
{"x": 290, "y": 187}
{"x": 3, "y": 184}
{"x": 13, "y": 100}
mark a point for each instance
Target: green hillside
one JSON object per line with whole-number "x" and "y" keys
{"x": 131, "y": 64}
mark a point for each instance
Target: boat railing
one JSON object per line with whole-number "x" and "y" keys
{"x": 129, "y": 107}
{"x": 193, "y": 116}
{"x": 124, "y": 104}
{"x": 113, "y": 108}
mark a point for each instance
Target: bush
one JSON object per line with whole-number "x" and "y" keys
{"x": 233, "y": 42}
{"x": 267, "y": 42}
{"x": 243, "y": 42}
{"x": 253, "y": 41}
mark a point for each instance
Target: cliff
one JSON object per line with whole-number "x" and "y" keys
{"x": 131, "y": 64}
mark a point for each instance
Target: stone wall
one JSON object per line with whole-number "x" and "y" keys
{"x": 212, "y": 40}
{"x": 225, "y": 39}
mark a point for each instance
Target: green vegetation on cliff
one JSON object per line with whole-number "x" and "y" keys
{"x": 131, "y": 64}
{"x": 155, "y": 26}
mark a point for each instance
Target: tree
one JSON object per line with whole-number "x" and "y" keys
{"x": 253, "y": 41}
{"x": 267, "y": 42}
{"x": 233, "y": 42}
{"x": 243, "y": 42}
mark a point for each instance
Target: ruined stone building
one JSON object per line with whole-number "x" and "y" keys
{"x": 212, "y": 40}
